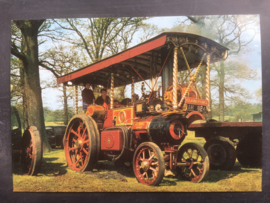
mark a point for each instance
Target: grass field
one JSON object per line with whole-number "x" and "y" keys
{"x": 55, "y": 176}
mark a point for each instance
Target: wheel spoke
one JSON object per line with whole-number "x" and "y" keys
{"x": 86, "y": 152}
{"x": 72, "y": 148}
{"x": 143, "y": 155}
{"x": 190, "y": 154}
{"x": 80, "y": 127}
{"x": 75, "y": 133}
{"x": 197, "y": 156}
{"x": 77, "y": 161}
{"x": 155, "y": 163}
{"x": 193, "y": 172}
{"x": 86, "y": 141}
{"x": 151, "y": 168}
{"x": 83, "y": 134}
{"x": 152, "y": 156}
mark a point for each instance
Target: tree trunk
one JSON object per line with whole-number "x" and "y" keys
{"x": 65, "y": 105}
{"x": 221, "y": 91}
{"x": 33, "y": 107}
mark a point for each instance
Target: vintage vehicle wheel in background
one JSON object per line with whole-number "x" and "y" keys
{"x": 31, "y": 157}
{"x": 80, "y": 143}
{"x": 194, "y": 162}
{"x": 148, "y": 164}
{"x": 221, "y": 152}
{"x": 249, "y": 151}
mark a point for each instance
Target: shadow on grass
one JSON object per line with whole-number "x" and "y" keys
{"x": 48, "y": 168}
{"x": 166, "y": 182}
{"x": 217, "y": 175}
{"x": 108, "y": 166}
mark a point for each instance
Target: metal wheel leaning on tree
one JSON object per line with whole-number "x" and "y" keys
{"x": 87, "y": 96}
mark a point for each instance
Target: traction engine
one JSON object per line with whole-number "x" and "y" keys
{"x": 146, "y": 132}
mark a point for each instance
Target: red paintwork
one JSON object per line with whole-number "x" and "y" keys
{"x": 226, "y": 124}
{"x": 73, "y": 160}
{"x": 124, "y": 116}
{"x": 114, "y": 59}
{"x": 196, "y": 101}
{"x": 95, "y": 110}
{"x": 193, "y": 116}
{"x": 172, "y": 133}
{"x": 108, "y": 123}
{"x": 142, "y": 124}
{"x": 112, "y": 140}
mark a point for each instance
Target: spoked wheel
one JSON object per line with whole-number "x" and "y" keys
{"x": 221, "y": 153}
{"x": 31, "y": 157}
{"x": 193, "y": 162}
{"x": 81, "y": 144}
{"x": 148, "y": 164}
{"x": 249, "y": 151}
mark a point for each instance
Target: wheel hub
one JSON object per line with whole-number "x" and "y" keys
{"x": 145, "y": 165}
{"x": 217, "y": 154}
{"x": 79, "y": 143}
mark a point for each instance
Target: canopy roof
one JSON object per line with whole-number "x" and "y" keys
{"x": 146, "y": 59}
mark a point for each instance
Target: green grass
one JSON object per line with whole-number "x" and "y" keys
{"x": 55, "y": 176}
{"x": 54, "y": 123}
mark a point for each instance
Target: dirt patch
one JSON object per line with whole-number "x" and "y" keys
{"x": 116, "y": 176}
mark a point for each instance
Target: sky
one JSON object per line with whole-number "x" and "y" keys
{"x": 252, "y": 58}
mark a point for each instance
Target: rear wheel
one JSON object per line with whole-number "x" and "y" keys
{"x": 221, "y": 153}
{"x": 31, "y": 157}
{"x": 148, "y": 164}
{"x": 80, "y": 144}
{"x": 249, "y": 152}
{"x": 193, "y": 162}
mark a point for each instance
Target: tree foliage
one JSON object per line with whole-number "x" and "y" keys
{"x": 232, "y": 31}
{"x": 99, "y": 37}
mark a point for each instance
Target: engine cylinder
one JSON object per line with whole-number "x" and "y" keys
{"x": 96, "y": 112}
{"x": 170, "y": 129}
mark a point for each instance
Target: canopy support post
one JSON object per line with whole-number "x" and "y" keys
{"x": 112, "y": 90}
{"x": 208, "y": 82}
{"x": 76, "y": 99}
{"x": 175, "y": 70}
{"x": 132, "y": 89}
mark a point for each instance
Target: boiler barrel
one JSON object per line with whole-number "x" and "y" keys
{"x": 169, "y": 129}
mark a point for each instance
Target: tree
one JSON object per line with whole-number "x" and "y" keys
{"x": 61, "y": 60}
{"x": 100, "y": 37}
{"x": 230, "y": 31}
{"x": 24, "y": 46}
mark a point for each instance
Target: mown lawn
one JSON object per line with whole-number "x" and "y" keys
{"x": 55, "y": 176}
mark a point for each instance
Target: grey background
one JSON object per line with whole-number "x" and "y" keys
{"x": 37, "y": 9}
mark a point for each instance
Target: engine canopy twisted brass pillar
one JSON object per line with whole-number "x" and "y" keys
{"x": 175, "y": 70}
{"x": 208, "y": 82}
{"x": 76, "y": 99}
{"x": 112, "y": 90}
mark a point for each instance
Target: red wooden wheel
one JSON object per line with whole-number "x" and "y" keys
{"x": 80, "y": 144}
{"x": 148, "y": 164}
{"x": 193, "y": 162}
{"x": 31, "y": 157}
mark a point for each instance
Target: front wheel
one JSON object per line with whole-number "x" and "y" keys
{"x": 80, "y": 144}
{"x": 193, "y": 162}
{"x": 148, "y": 164}
{"x": 31, "y": 157}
